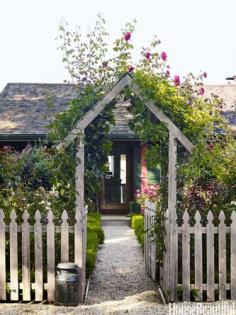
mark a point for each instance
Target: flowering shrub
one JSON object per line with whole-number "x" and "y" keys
{"x": 151, "y": 192}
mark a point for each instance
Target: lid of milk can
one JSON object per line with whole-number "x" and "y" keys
{"x": 67, "y": 266}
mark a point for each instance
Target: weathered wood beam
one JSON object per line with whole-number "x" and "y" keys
{"x": 94, "y": 112}
{"x": 172, "y": 192}
{"x": 160, "y": 115}
{"x": 127, "y": 80}
{"x": 80, "y": 246}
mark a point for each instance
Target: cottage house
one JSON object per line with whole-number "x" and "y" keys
{"x": 26, "y": 109}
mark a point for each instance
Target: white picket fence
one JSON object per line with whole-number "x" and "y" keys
{"x": 149, "y": 239}
{"x": 212, "y": 251}
{"x": 29, "y": 251}
{"x": 205, "y": 257}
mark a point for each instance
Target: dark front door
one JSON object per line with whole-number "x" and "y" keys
{"x": 117, "y": 184}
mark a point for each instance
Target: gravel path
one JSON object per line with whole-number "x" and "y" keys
{"x": 119, "y": 271}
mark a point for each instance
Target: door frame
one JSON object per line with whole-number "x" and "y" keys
{"x": 121, "y": 208}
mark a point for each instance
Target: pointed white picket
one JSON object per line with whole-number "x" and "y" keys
{"x": 26, "y": 257}
{"x": 198, "y": 256}
{"x": 186, "y": 256}
{"x": 222, "y": 257}
{"x": 64, "y": 237}
{"x": 13, "y": 258}
{"x": 38, "y": 252}
{"x": 51, "y": 257}
{"x": 210, "y": 258}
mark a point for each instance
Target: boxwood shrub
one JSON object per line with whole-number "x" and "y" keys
{"x": 95, "y": 236}
{"x": 137, "y": 224}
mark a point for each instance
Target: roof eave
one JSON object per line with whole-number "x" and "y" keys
{"x": 21, "y": 137}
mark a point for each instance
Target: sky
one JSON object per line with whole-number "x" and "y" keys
{"x": 198, "y": 35}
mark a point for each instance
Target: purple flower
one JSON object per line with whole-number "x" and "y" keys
{"x": 148, "y": 55}
{"x": 163, "y": 56}
{"x": 176, "y": 80}
{"x": 167, "y": 73}
{"x": 201, "y": 91}
{"x": 204, "y": 74}
{"x": 127, "y": 36}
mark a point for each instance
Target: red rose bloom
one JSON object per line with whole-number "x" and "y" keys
{"x": 130, "y": 68}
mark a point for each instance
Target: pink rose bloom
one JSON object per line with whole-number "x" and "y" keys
{"x": 176, "y": 80}
{"x": 163, "y": 56}
{"x": 130, "y": 68}
{"x": 127, "y": 36}
{"x": 204, "y": 74}
{"x": 201, "y": 91}
{"x": 148, "y": 55}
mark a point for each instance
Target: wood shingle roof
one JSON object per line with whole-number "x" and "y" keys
{"x": 27, "y": 108}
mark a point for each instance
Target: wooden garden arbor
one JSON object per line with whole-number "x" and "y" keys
{"x": 174, "y": 134}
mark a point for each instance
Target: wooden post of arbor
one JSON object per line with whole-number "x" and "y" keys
{"x": 173, "y": 261}
{"x": 80, "y": 226}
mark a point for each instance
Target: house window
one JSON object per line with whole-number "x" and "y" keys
{"x": 123, "y": 168}
{"x": 111, "y": 165}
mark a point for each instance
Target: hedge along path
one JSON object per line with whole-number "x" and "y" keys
{"x": 120, "y": 271}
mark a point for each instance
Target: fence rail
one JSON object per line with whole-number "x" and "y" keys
{"x": 29, "y": 254}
